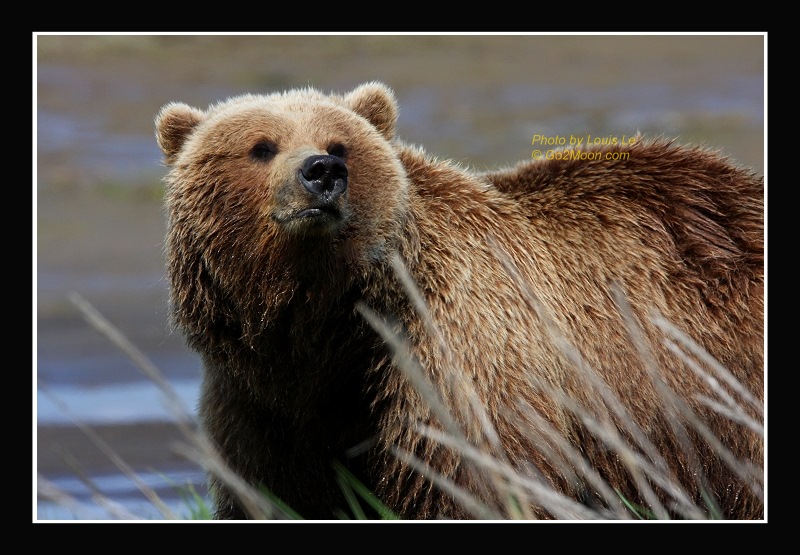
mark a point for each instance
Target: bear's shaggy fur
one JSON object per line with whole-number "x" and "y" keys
{"x": 324, "y": 270}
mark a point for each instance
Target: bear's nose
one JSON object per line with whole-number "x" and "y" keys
{"x": 324, "y": 175}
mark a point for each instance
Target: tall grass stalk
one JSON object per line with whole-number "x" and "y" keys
{"x": 521, "y": 486}
{"x": 197, "y": 447}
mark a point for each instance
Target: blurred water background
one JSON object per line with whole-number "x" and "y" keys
{"x": 97, "y": 193}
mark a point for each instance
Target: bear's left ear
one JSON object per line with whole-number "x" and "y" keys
{"x": 375, "y": 102}
{"x": 174, "y": 124}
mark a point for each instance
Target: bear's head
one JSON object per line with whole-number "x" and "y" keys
{"x": 266, "y": 192}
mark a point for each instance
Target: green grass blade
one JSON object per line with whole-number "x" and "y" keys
{"x": 351, "y": 486}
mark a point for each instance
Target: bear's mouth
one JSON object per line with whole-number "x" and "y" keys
{"x": 324, "y": 218}
{"x": 313, "y": 217}
{"x": 325, "y": 212}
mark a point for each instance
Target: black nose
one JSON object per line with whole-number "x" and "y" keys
{"x": 324, "y": 175}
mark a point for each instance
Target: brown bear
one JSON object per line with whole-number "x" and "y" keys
{"x": 511, "y": 344}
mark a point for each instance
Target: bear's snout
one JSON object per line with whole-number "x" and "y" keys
{"x": 324, "y": 176}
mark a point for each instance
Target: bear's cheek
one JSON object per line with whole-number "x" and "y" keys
{"x": 376, "y": 184}
{"x": 242, "y": 190}
{"x": 377, "y": 202}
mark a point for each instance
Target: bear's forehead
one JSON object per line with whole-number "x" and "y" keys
{"x": 296, "y": 105}
{"x": 285, "y": 114}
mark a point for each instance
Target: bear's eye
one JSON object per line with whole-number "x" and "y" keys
{"x": 264, "y": 151}
{"x": 338, "y": 150}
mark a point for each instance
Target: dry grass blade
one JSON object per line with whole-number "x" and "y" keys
{"x": 475, "y": 409}
{"x": 466, "y": 499}
{"x": 199, "y": 450}
{"x": 255, "y": 504}
{"x": 671, "y": 403}
{"x": 120, "y": 463}
{"x": 608, "y": 429}
{"x": 48, "y": 490}
{"x": 566, "y": 456}
{"x": 410, "y": 366}
{"x": 101, "y": 324}
{"x": 561, "y": 506}
{"x": 748, "y": 471}
{"x": 706, "y": 358}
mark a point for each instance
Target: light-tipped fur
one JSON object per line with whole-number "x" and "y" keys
{"x": 526, "y": 302}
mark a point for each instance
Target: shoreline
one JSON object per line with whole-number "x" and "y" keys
{"x": 64, "y": 450}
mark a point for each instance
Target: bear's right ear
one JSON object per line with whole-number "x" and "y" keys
{"x": 375, "y": 102}
{"x": 174, "y": 124}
